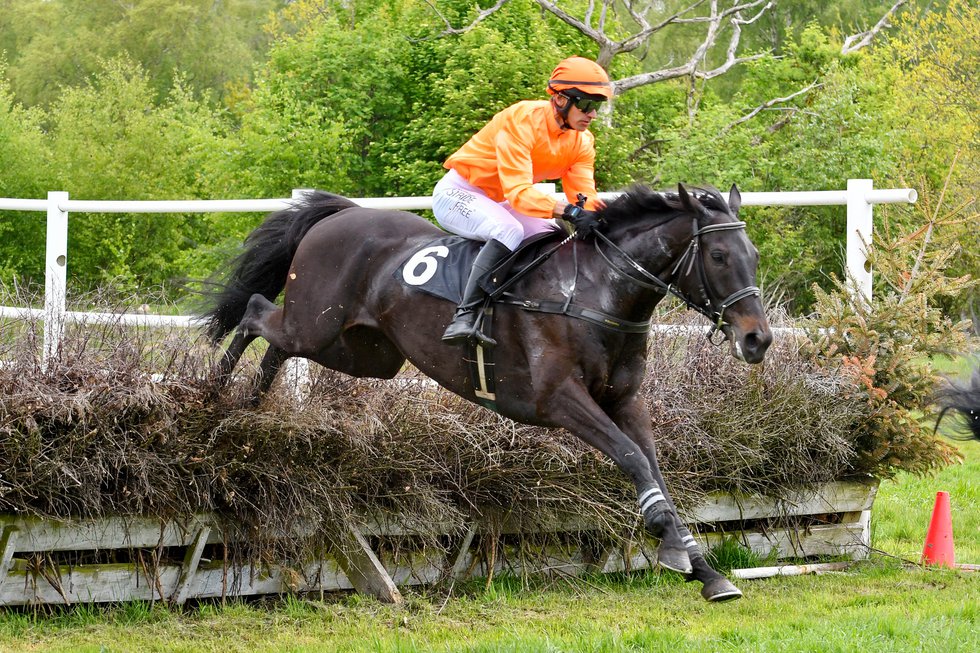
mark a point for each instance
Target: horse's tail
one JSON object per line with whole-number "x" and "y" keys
{"x": 263, "y": 265}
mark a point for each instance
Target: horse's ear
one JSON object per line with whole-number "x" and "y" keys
{"x": 734, "y": 200}
{"x": 688, "y": 201}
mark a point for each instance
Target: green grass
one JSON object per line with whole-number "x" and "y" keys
{"x": 880, "y": 608}
{"x": 903, "y": 506}
{"x": 883, "y": 605}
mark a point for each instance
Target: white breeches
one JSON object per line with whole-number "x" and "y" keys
{"x": 465, "y": 210}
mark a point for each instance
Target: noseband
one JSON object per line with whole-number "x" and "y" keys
{"x": 690, "y": 256}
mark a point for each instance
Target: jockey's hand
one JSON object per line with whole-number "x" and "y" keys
{"x": 585, "y": 221}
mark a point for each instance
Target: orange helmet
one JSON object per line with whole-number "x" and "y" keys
{"x": 581, "y": 74}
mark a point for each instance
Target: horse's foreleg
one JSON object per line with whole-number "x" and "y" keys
{"x": 579, "y": 414}
{"x": 635, "y": 421}
{"x": 714, "y": 586}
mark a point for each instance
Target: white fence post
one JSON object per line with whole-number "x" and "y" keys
{"x": 859, "y": 225}
{"x": 55, "y": 274}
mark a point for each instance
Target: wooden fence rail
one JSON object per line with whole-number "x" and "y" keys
{"x": 169, "y": 560}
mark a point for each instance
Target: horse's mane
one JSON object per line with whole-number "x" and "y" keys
{"x": 640, "y": 200}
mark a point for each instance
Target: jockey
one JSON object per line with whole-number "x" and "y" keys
{"x": 489, "y": 195}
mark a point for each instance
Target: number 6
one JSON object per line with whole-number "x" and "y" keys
{"x": 426, "y": 258}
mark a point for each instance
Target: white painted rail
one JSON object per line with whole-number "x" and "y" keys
{"x": 859, "y": 197}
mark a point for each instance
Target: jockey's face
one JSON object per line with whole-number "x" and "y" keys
{"x": 579, "y": 120}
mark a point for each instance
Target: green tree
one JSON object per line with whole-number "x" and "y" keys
{"x": 22, "y": 166}
{"x": 110, "y": 140}
{"x": 933, "y": 63}
{"x": 324, "y": 104}
{"x": 52, "y": 44}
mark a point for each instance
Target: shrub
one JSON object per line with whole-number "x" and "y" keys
{"x": 884, "y": 345}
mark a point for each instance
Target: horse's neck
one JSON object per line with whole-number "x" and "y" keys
{"x": 626, "y": 292}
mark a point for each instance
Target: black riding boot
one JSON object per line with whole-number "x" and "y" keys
{"x": 463, "y": 327}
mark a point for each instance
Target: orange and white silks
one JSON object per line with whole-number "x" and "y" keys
{"x": 521, "y": 146}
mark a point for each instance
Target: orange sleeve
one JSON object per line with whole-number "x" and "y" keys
{"x": 580, "y": 178}
{"x": 515, "y": 170}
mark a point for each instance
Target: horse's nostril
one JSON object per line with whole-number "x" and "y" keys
{"x": 757, "y": 341}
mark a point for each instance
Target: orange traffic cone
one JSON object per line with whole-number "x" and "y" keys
{"x": 938, "y": 549}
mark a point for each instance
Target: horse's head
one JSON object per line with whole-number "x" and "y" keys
{"x": 712, "y": 264}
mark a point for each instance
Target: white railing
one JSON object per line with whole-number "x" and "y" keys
{"x": 859, "y": 198}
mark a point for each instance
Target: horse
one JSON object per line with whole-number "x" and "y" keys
{"x": 579, "y": 369}
{"x": 965, "y": 399}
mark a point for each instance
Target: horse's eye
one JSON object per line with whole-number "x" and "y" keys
{"x": 717, "y": 257}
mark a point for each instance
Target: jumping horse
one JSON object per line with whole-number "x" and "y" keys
{"x": 579, "y": 369}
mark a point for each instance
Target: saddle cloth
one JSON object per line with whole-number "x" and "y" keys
{"x": 442, "y": 266}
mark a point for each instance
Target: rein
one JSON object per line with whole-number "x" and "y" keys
{"x": 690, "y": 255}
{"x": 500, "y": 295}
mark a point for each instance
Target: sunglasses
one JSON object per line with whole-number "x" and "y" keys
{"x": 585, "y": 105}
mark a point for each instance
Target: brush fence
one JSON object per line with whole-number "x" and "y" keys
{"x": 133, "y": 558}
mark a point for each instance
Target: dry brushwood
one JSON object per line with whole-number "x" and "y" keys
{"x": 123, "y": 422}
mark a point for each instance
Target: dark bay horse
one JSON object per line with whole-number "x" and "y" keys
{"x": 964, "y": 398}
{"x": 344, "y": 308}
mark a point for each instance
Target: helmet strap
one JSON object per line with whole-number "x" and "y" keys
{"x": 562, "y": 111}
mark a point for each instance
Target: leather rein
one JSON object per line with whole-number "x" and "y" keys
{"x": 690, "y": 257}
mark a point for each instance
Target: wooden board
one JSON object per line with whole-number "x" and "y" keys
{"x": 24, "y": 580}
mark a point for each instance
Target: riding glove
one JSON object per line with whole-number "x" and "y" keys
{"x": 585, "y": 221}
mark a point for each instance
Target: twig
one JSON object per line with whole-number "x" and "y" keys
{"x": 769, "y": 104}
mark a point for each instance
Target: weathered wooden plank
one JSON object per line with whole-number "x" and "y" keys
{"x": 8, "y": 546}
{"x": 109, "y": 533}
{"x": 790, "y": 570}
{"x": 83, "y": 584}
{"x": 461, "y": 562}
{"x": 832, "y": 539}
{"x": 365, "y": 571}
{"x": 191, "y": 561}
{"x": 839, "y": 496}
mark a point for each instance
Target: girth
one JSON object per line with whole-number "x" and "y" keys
{"x": 575, "y": 310}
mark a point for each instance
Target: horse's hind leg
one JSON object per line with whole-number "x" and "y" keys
{"x": 250, "y": 328}
{"x": 239, "y": 343}
{"x": 271, "y": 364}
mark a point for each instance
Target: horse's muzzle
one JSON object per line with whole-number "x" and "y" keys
{"x": 749, "y": 345}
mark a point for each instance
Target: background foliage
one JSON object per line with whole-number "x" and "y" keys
{"x": 252, "y": 98}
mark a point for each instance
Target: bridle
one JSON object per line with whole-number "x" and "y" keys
{"x": 690, "y": 258}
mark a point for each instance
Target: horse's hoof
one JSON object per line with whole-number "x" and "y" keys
{"x": 675, "y": 559}
{"x": 719, "y": 590}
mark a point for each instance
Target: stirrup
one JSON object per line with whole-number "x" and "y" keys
{"x": 483, "y": 339}
{"x": 465, "y": 323}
